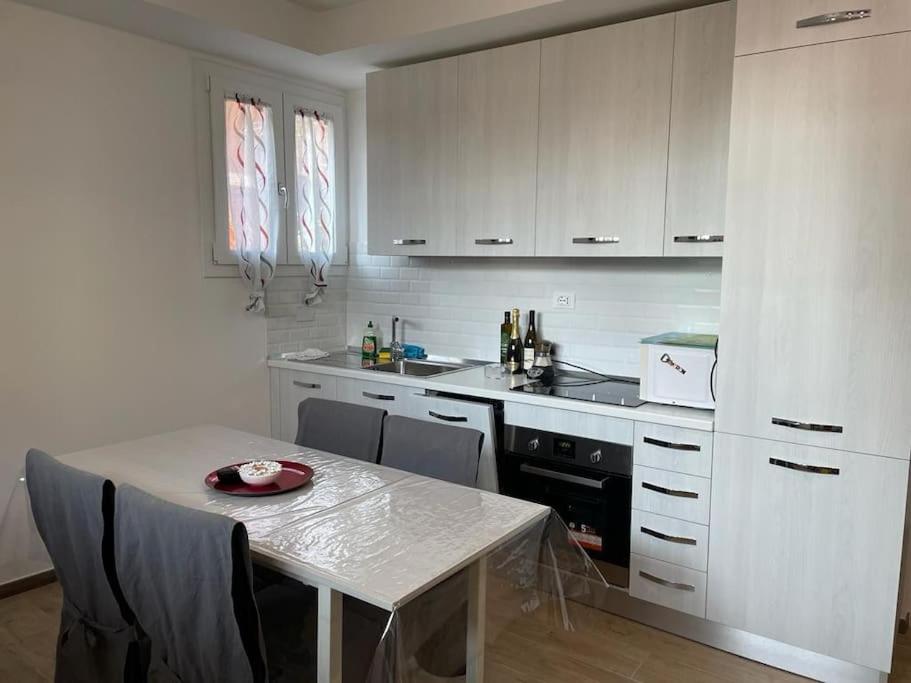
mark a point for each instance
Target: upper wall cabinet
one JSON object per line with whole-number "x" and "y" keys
{"x": 602, "y": 157}
{"x": 700, "y": 126}
{"x": 412, "y": 158}
{"x": 764, "y": 25}
{"x": 498, "y": 151}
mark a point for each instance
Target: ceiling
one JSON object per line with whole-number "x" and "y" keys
{"x": 322, "y": 5}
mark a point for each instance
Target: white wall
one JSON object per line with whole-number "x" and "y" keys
{"x": 109, "y": 330}
{"x": 454, "y": 306}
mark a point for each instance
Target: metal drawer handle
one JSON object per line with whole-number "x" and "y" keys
{"x": 807, "y": 426}
{"x": 671, "y": 444}
{"x": 377, "y": 397}
{"x": 602, "y": 239}
{"x": 699, "y": 238}
{"x": 682, "y": 540}
{"x": 834, "y": 18}
{"x": 307, "y": 385}
{"x": 669, "y": 584}
{"x": 494, "y": 240}
{"x": 562, "y": 476}
{"x": 812, "y": 469}
{"x": 669, "y": 492}
{"x": 408, "y": 243}
{"x": 447, "y": 418}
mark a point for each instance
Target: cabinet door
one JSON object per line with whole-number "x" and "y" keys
{"x": 700, "y": 127}
{"x": 498, "y": 151}
{"x": 602, "y": 156}
{"x": 412, "y": 149}
{"x": 471, "y": 414}
{"x": 295, "y": 387}
{"x": 815, "y": 319}
{"x": 393, "y": 398}
{"x": 806, "y": 546}
{"x": 764, "y": 25}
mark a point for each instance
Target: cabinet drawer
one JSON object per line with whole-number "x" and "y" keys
{"x": 586, "y": 425}
{"x": 393, "y": 398}
{"x": 666, "y": 584}
{"x": 810, "y": 533}
{"x": 671, "y": 494}
{"x": 471, "y": 414}
{"x": 670, "y": 540}
{"x": 295, "y": 387}
{"x": 764, "y": 25}
{"x": 671, "y": 448}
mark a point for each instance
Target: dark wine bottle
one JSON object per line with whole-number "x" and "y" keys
{"x": 531, "y": 341}
{"x": 505, "y": 329}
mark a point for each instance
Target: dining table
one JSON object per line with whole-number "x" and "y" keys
{"x": 382, "y": 535}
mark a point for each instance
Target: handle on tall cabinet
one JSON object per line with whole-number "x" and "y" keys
{"x": 835, "y": 18}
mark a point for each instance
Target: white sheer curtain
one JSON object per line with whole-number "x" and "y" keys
{"x": 315, "y": 187}
{"x": 252, "y": 195}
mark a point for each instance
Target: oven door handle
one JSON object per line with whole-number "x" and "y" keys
{"x": 562, "y": 476}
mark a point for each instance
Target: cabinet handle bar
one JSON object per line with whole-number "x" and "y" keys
{"x": 601, "y": 239}
{"x": 812, "y": 469}
{"x": 698, "y": 238}
{"x": 807, "y": 426}
{"x": 494, "y": 240}
{"x": 447, "y": 418}
{"x": 669, "y": 492}
{"x": 664, "y": 582}
{"x": 682, "y": 540}
{"x": 377, "y": 397}
{"x": 408, "y": 243}
{"x": 835, "y": 18}
{"x": 671, "y": 444}
{"x": 306, "y": 385}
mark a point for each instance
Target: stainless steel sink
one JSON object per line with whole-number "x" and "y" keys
{"x": 419, "y": 368}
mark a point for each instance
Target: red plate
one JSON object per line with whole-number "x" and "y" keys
{"x": 293, "y": 476}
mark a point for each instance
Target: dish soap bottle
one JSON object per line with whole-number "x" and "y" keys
{"x": 368, "y": 344}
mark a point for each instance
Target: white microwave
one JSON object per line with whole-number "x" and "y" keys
{"x": 678, "y": 369}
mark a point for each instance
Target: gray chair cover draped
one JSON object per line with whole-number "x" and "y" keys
{"x": 434, "y": 450}
{"x": 341, "y": 428}
{"x": 187, "y": 575}
{"x": 73, "y": 511}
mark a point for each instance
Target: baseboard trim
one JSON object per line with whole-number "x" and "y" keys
{"x": 27, "y": 583}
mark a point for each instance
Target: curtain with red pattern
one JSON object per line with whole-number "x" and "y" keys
{"x": 252, "y": 195}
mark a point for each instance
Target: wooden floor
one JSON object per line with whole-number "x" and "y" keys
{"x": 605, "y": 649}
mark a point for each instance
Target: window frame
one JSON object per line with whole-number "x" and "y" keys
{"x": 213, "y": 82}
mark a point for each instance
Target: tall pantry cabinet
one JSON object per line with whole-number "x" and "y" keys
{"x": 814, "y": 387}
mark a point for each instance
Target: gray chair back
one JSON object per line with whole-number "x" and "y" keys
{"x": 74, "y": 514}
{"x": 187, "y": 574}
{"x": 341, "y": 428}
{"x": 434, "y": 450}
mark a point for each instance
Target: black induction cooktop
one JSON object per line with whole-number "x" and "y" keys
{"x": 618, "y": 391}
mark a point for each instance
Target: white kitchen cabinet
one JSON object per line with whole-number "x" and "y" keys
{"x": 815, "y": 315}
{"x": 806, "y": 546}
{"x": 764, "y": 25}
{"x": 412, "y": 154}
{"x": 585, "y": 425}
{"x": 700, "y": 127}
{"x": 295, "y": 386}
{"x": 393, "y": 398}
{"x": 602, "y": 156}
{"x": 687, "y": 451}
{"x": 671, "y": 494}
{"x": 670, "y": 540}
{"x": 462, "y": 413}
{"x": 498, "y": 151}
{"x": 670, "y": 585}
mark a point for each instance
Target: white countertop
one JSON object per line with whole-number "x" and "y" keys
{"x": 472, "y": 382}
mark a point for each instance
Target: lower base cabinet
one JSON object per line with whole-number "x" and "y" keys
{"x": 670, "y": 585}
{"x": 294, "y": 387}
{"x": 805, "y": 546}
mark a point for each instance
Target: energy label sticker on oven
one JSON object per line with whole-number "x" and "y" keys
{"x": 586, "y": 536}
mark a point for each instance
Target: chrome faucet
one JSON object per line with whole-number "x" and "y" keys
{"x": 398, "y": 353}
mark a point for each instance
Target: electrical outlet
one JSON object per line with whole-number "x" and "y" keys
{"x": 564, "y": 300}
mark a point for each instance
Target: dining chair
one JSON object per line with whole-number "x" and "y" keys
{"x": 342, "y": 428}
{"x": 187, "y": 575}
{"x": 434, "y": 450}
{"x": 74, "y": 513}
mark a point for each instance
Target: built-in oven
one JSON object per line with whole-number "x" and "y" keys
{"x": 588, "y": 482}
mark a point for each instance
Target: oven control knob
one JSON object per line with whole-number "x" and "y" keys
{"x": 595, "y": 457}
{"x": 533, "y": 444}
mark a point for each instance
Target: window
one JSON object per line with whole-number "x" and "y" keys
{"x": 278, "y": 165}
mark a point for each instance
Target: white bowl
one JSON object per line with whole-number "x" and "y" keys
{"x": 260, "y": 472}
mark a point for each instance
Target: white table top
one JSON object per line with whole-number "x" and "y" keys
{"x": 379, "y": 534}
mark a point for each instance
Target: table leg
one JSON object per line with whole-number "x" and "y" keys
{"x": 477, "y": 621}
{"x": 329, "y": 637}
